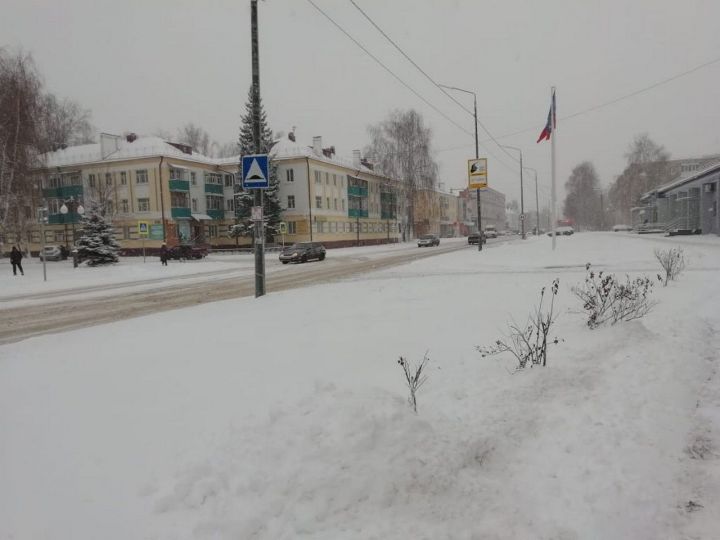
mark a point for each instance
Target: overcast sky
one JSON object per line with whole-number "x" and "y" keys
{"x": 143, "y": 65}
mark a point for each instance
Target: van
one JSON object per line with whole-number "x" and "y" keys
{"x": 490, "y": 232}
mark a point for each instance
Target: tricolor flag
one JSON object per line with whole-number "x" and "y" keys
{"x": 551, "y": 123}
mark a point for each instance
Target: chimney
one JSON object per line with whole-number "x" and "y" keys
{"x": 357, "y": 159}
{"x": 291, "y": 136}
{"x": 131, "y": 137}
{"x": 317, "y": 146}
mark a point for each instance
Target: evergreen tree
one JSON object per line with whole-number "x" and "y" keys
{"x": 97, "y": 243}
{"x": 245, "y": 200}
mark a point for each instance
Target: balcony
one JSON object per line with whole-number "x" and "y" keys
{"x": 60, "y": 219}
{"x": 63, "y": 192}
{"x": 214, "y": 188}
{"x": 179, "y": 185}
{"x": 357, "y": 213}
{"x": 354, "y": 191}
{"x": 216, "y": 214}
{"x": 180, "y": 212}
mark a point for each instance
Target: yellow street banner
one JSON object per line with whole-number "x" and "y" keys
{"x": 283, "y": 227}
{"x": 477, "y": 173}
{"x": 143, "y": 229}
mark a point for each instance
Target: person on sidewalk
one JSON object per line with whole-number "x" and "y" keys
{"x": 163, "y": 254}
{"x": 16, "y": 261}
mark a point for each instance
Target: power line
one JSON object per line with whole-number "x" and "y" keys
{"x": 388, "y": 69}
{"x": 428, "y": 77}
{"x": 621, "y": 98}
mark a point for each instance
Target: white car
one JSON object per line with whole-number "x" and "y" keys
{"x": 491, "y": 232}
{"x": 562, "y": 231}
{"x": 51, "y": 253}
{"x": 621, "y": 228}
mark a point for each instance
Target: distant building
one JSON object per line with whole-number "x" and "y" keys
{"x": 492, "y": 209}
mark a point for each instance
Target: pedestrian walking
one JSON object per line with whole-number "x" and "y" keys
{"x": 163, "y": 254}
{"x": 16, "y": 261}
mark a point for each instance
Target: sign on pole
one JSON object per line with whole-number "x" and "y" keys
{"x": 143, "y": 229}
{"x": 255, "y": 174}
{"x": 477, "y": 173}
{"x": 283, "y": 227}
{"x": 256, "y": 213}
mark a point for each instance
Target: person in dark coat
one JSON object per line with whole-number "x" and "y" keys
{"x": 163, "y": 254}
{"x": 16, "y": 261}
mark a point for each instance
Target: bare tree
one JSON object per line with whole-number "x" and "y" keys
{"x": 226, "y": 150}
{"x": 582, "y": 202}
{"x": 64, "y": 123}
{"x": 20, "y": 106}
{"x": 401, "y": 147}
{"x": 195, "y": 137}
{"x": 647, "y": 168}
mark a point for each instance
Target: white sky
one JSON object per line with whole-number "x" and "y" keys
{"x": 147, "y": 65}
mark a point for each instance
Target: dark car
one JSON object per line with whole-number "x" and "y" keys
{"x": 473, "y": 238}
{"x": 428, "y": 240}
{"x": 185, "y": 252}
{"x": 303, "y": 252}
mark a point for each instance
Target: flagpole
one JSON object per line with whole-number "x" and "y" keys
{"x": 553, "y": 134}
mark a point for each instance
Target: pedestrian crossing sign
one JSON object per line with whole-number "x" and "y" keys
{"x": 143, "y": 229}
{"x": 255, "y": 173}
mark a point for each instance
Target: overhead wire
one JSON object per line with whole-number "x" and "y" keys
{"x": 439, "y": 86}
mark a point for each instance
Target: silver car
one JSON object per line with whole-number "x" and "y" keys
{"x": 51, "y": 253}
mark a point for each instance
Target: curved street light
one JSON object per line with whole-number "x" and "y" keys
{"x": 78, "y": 208}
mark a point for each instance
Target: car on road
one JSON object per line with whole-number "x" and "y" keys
{"x": 621, "y": 228}
{"x": 473, "y": 238}
{"x": 562, "y": 231}
{"x": 51, "y": 253}
{"x": 303, "y": 252}
{"x": 491, "y": 232}
{"x": 428, "y": 240}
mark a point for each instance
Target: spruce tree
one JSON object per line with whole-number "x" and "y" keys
{"x": 245, "y": 200}
{"x": 97, "y": 243}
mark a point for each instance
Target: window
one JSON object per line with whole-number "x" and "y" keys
{"x": 291, "y": 201}
{"x": 335, "y": 204}
{"x": 123, "y": 178}
{"x": 124, "y": 206}
{"x": 193, "y": 179}
{"x": 228, "y": 180}
{"x": 141, "y": 176}
{"x": 327, "y": 178}
{"x": 54, "y": 206}
{"x": 108, "y": 179}
{"x": 212, "y": 231}
{"x": 109, "y": 208}
{"x": 213, "y": 202}
{"x": 194, "y": 205}
{"x": 334, "y": 179}
{"x": 292, "y": 227}
{"x": 91, "y": 180}
{"x": 290, "y": 175}
{"x": 317, "y": 177}
{"x": 230, "y": 205}
{"x": 59, "y": 236}
{"x": 318, "y": 202}
{"x": 327, "y": 200}
{"x": 143, "y": 205}
{"x": 342, "y": 202}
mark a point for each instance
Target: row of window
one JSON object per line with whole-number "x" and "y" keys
{"x": 352, "y": 227}
{"x": 319, "y": 203}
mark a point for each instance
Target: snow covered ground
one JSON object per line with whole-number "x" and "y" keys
{"x": 285, "y": 417}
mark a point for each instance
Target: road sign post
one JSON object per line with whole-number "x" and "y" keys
{"x": 477, "y": 180}
{"x": 256, "y": 175}
{"x": 143, "y": 233}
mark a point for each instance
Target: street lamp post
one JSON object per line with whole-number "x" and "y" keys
{"x": 477, "y": 156}
{"x": 71, "y": 205}
{"x": 537, "y": 201}
{"x": 522, "y": 193}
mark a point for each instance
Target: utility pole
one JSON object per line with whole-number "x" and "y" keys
{"x": 522, "y": 192}
{"x": 477, "y": 156}
{"x": 259, "y": 226}
{"x": 537, "y": 203}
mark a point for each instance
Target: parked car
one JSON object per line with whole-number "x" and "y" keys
{"x": 473, "y": 238}
{"x": 185, "y": 252}
{"x": 620, "y": 228}
{"x": 490, "y": 232}
{"x": 303, "y": 252}
{"x": 51, "y": 253}
{"x": 428, "y": 240}
{"x": 562, "y": 231}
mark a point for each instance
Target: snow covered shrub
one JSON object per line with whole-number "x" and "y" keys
{"x": 607, "y": 299}
{"x": 97, "y": 244}
{"x": 529, "y": 343}
{"x": 414, "y": 377}
{"x": 672, "y": 262}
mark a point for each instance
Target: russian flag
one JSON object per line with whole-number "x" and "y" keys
{"x": 550, "y": 124}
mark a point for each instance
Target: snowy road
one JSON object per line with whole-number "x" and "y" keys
{"x": 37, "y": 313}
